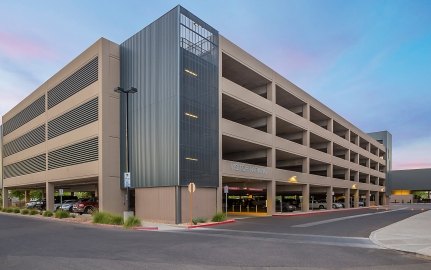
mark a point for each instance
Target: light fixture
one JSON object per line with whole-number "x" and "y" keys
{"x": 354, "y": 186}
{"x": 192, "y": 159}
{"x": 191, "y": 115}
{"x": 191, "y": 72}
{"x": 293, "y": 179}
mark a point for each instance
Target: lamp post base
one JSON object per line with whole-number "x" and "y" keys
{"x": 127, "y": 214}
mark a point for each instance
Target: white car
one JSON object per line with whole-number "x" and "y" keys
{"x": 323, "y": 205}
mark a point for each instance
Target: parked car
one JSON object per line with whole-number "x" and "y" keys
{"x": 323, "y": 205}
{"x": 31, "y": 204}
{"x": 40, "y": 204}
{"x": 67, "y": 205}
{"x": 58, "y": 200}
{"x": 86, "y": 206}
{"x": 287, "y": 207}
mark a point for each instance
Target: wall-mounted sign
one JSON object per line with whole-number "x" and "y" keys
{"x": 248, "y": 168}
{"x": 127, "y": 180}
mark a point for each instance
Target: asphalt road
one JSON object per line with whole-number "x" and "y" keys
{"x": 323, "y": 241}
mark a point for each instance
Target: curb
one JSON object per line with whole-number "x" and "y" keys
{"x": 146, "y": 228}
{"x": 321, "y": 212}
{"x": 211, "y": 224}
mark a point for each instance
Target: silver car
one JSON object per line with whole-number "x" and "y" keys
{"x": 67, "y": 205}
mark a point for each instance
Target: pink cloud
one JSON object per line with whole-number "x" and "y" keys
{"x": 23, "y": 47}
{"x": 411, "y": 165}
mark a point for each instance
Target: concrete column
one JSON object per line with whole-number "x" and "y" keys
{"x": 367, "y": 198}
{"x": 306, "y": 138}
{"x": 330, "y": 171}
{"x": 271, "y": 91}
{"x": 270, "y": 158}
{"x": 329, "y": 198}
{"x": 26, "y": 196}
{"x": 220, "y": 199}
{"x": 306, "y": 110}
{"x": 347, "y": 174}
{"x": 356, "y": 198}
{"x": 331, "y": 125}
{"x": 348, "y": 135}
{"x": 368, "y": 163}
{"x": 384, "y": 199}
{"x": 5, "y": 197}
{"x": 347, "y": 198}
{"x": 330, "y": 148}
{"x": 356, "y": 176}
{"x": 306, "y": 165}
{"x": 377, "y": 198}
{"x": 305, "y": 207}
{"x": 368, "y": 179}
{"x": 347, "y": 156}
{"x": 270, "y": 125}
{"x": 270, "y": 197}
{"x": 49, "y": 196}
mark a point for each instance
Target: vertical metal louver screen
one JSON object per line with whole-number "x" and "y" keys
{"x": 30, "y": 112}
{"x": 28, "y": 166}
{"x": 73, "y": 119}
{"x": 82, "y": 78}
{"x": 74, "y": 154}
{"x": 32, "y": 138}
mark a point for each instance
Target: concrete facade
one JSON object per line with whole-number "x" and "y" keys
{"x": 275, "y": 141}
{"x": 75, "y": 154}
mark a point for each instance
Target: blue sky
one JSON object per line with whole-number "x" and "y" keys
{"x": 369, "y": 61}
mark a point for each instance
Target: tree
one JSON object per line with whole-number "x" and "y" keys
{"x": 36, "y": 194}
{"x": 17, "y": 194}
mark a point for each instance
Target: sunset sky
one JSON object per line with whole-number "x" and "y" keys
{"x": 369, "y": 61}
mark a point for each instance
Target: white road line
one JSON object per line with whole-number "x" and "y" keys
{"x": 310, "y": 224}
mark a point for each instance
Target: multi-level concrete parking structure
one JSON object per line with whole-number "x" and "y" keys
{"x": 205, "y": 112}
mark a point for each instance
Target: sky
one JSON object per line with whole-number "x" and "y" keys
{"x": 369, "y": 61}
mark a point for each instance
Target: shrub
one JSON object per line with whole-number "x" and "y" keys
{"x": 132, "y": 222}
{"x": 16, "y": 210}
{"x": 9, "y": 210}
{"x": 107, "y": 218}
{"x": 61, "y": 214}
{"x": 197, "y": 220}
{"x": 34, "y": 212}
{"x": 4, "y": 210}
{"x": 219, "y": 217}
{"x": 25, "y": 212}
{"x": 47, "y": 214}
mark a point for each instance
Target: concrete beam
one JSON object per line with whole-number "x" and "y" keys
{"x": 257, "y": 123}
{"x": 292, "y": 162}
{"x": 246, "y": 155}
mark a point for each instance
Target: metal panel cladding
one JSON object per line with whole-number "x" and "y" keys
{"x": 198, "y": 102}
{"x": 149, "y": 62}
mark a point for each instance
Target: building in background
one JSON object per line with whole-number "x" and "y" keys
{"x": 206, "y": 112}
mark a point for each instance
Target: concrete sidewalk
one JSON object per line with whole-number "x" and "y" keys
{"x": 412, "y": 235}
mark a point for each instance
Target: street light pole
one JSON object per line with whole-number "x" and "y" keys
{"x": 132, "y": 90}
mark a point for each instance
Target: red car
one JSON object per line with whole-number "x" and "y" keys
{"x": 86, "y": 206}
